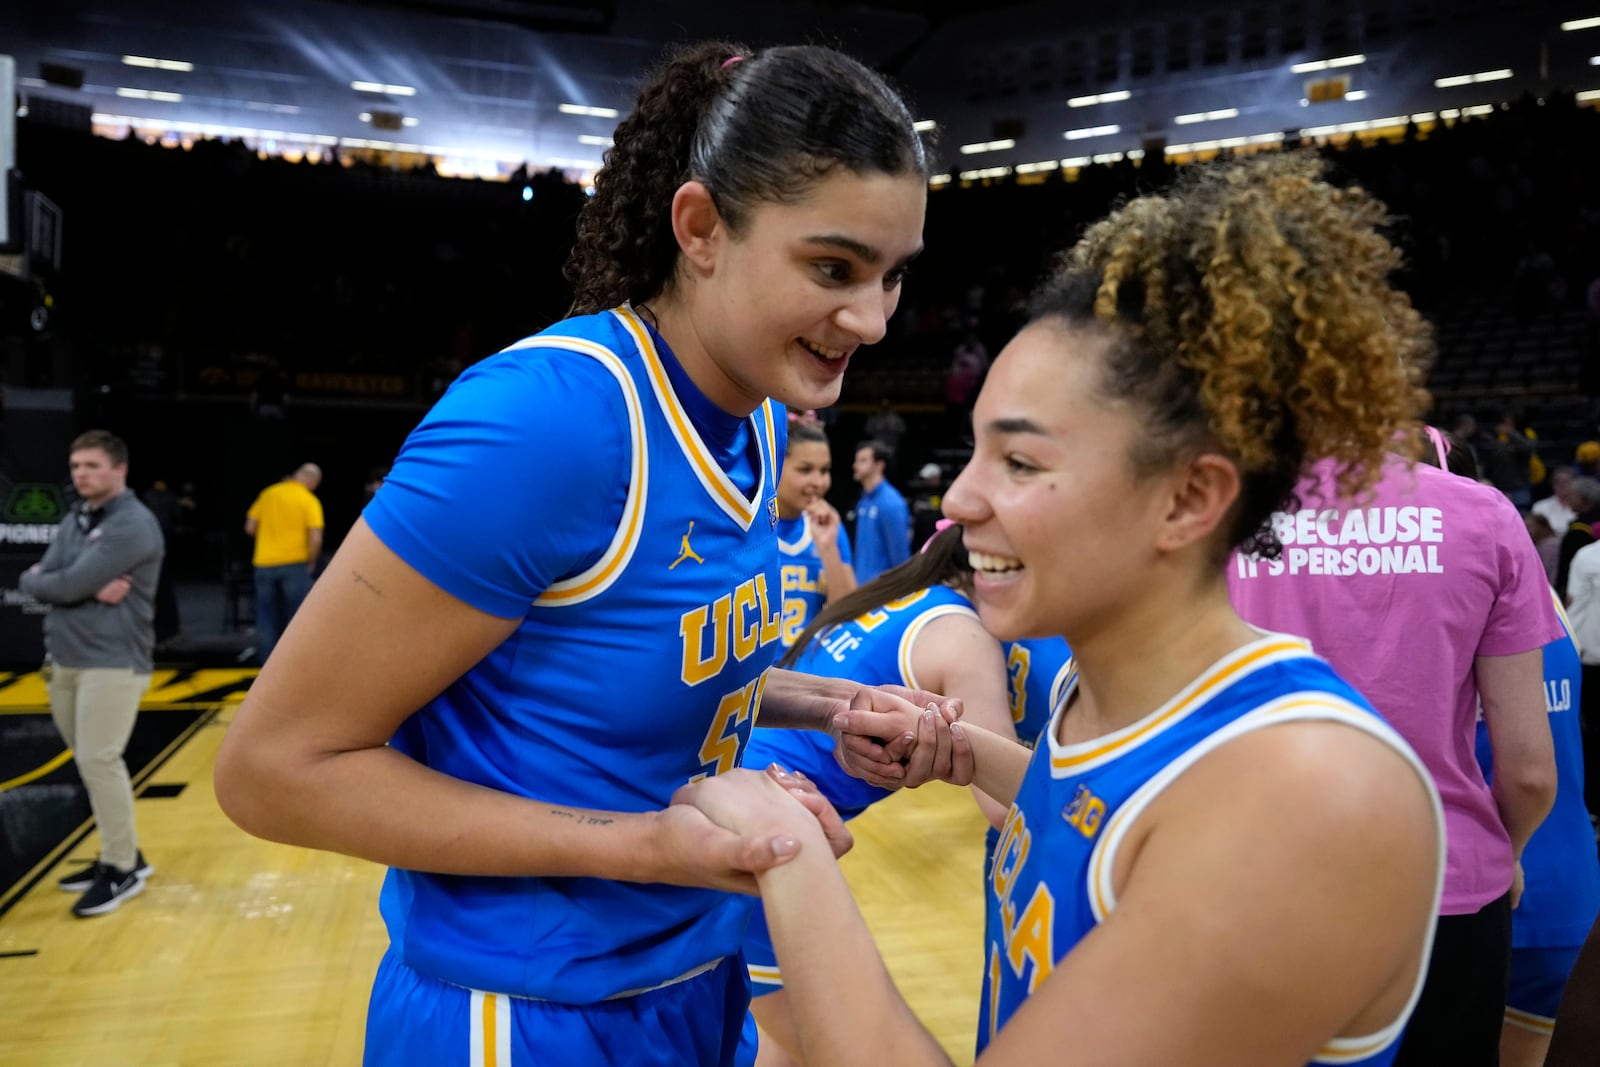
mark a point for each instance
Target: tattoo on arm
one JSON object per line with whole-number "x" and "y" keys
{"x": 582, "y": 820}
{"x": 360, "y": 579}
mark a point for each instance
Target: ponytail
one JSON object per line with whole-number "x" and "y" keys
{"x": 626, "y": 250}
{"x": 943, "y": 560}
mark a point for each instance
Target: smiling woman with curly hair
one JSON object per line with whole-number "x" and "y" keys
{"x": 1218, "y": 854}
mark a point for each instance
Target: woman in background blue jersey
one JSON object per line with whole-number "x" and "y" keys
{"x": 563, "y": 603}
{"x": 1218, "y": 854}
{"x": 815, "y": 547}
{"x": 912, "y": 626}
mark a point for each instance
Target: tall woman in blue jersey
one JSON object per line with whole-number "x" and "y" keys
{"x": 911, "y": 626}
{"x": 563, "y": 603}
{"x": 1218, "y": 854}
{"x": 811, "y": 537}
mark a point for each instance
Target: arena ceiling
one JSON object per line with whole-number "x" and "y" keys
{"x": 486, "y": 80}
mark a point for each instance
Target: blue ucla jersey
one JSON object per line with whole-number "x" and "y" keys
{"x": 1051, "y": 881}
{"x": 579, "y": 482}
{"x": 873, "y": 649}
{"x": 1037, "y": 672}
{"x": 805, "y": 587}
{"x": 1560, "y": 869}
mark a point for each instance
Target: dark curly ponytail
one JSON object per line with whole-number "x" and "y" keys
{"x": 760, "y": 129}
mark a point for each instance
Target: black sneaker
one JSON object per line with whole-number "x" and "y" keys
{"x": 111, "y": 887}
{"x": 82, "y": 880}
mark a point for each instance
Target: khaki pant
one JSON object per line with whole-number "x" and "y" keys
{"x": 94, "y": 708}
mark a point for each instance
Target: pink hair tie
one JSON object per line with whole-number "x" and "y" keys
{"x": 730, "y": 61}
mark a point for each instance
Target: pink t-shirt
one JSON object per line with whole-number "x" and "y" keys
{"x": 1400, "y": 594}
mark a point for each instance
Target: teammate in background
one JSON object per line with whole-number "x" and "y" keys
{"x": 912, "y": 626}
{"x": 883, "y": 520}
{"x": 1218, "y": 853}
{"x": 1038, "y": 670}
{"x": 815, "y": 547}
{"x": 563, "y": 603}
{"x": 1561, "y": 872}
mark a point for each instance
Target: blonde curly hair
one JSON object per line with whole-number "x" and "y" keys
{"x": 1250, "y": 312}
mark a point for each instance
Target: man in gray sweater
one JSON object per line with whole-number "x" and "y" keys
{"x": 99, "y": 578}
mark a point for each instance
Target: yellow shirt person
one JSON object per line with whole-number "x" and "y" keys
{"x": 286, "y": 519}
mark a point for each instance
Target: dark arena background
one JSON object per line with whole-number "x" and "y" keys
{"x": 244, "y": 236}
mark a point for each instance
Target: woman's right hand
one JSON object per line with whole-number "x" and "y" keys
{"x": 885, "y": 750}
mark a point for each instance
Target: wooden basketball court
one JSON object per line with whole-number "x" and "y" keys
{"x": 241, "y": 952}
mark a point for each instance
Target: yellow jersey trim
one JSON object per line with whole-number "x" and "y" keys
{"x": 1086, "y": 755}
{"x": 716, "y": 481}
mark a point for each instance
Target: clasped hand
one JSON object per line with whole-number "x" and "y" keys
{"x": 898, "y": 738}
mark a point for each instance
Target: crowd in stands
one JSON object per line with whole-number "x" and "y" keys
{"x": 212, "y": 260}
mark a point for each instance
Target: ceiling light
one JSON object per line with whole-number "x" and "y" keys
{"x": 1207, "y": 116}
{"x": 923, "y": 126}
{"x": 380, "y": 87}
{"x": 1356, "y": 94}
{"x": 584, "y": 109}
{"x": 409, "y": 121}
{"x": 987, "y": 172}
{"x": 987, "y": 146}
{"x": 158, "y": 64}
{"x": 1091, "y": 131}
{"x": 1582, "y": 24}
{"x": 1589, "y": 94}
{"x": 1470, "y": 79}
{"x": 1102, "y": 98}
{"x": 150, "y": 94}
{"x": 603, "y": 142}
{"x": 1037, "y": 168}
{"x": 1328, "y": 64}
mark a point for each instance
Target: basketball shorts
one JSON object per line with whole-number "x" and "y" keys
{"x": 1538, "y": 975}
{"x": 414, "y": 1019}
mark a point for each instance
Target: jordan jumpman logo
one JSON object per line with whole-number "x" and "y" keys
{"x": 684, "y": 551}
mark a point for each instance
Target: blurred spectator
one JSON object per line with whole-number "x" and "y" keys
{"x": 968, "y": 364}
{"x": 1557, "y": 509}
{"x": 286, "y": 522}
{"x": 927, "y": 497}
{"x": 1580, "y": 532}
{"x": 883, "y": 522}
{"x": 1586, "y": 459}
{"x": 1505, "y": 456}
{"x": 887, "y": 426}
{"x": 1547, "y": 541}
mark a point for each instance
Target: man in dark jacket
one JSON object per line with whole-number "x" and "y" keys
{"x": 99, "y": 577}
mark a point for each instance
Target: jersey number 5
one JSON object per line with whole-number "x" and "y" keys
{"x": 721, "y": 746}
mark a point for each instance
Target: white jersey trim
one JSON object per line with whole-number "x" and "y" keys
{"x": 604, "y": 572}
{"x": 795, "y": 548}
{"x": 908, "y": 640}
{"x": 1311, "y": 706}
